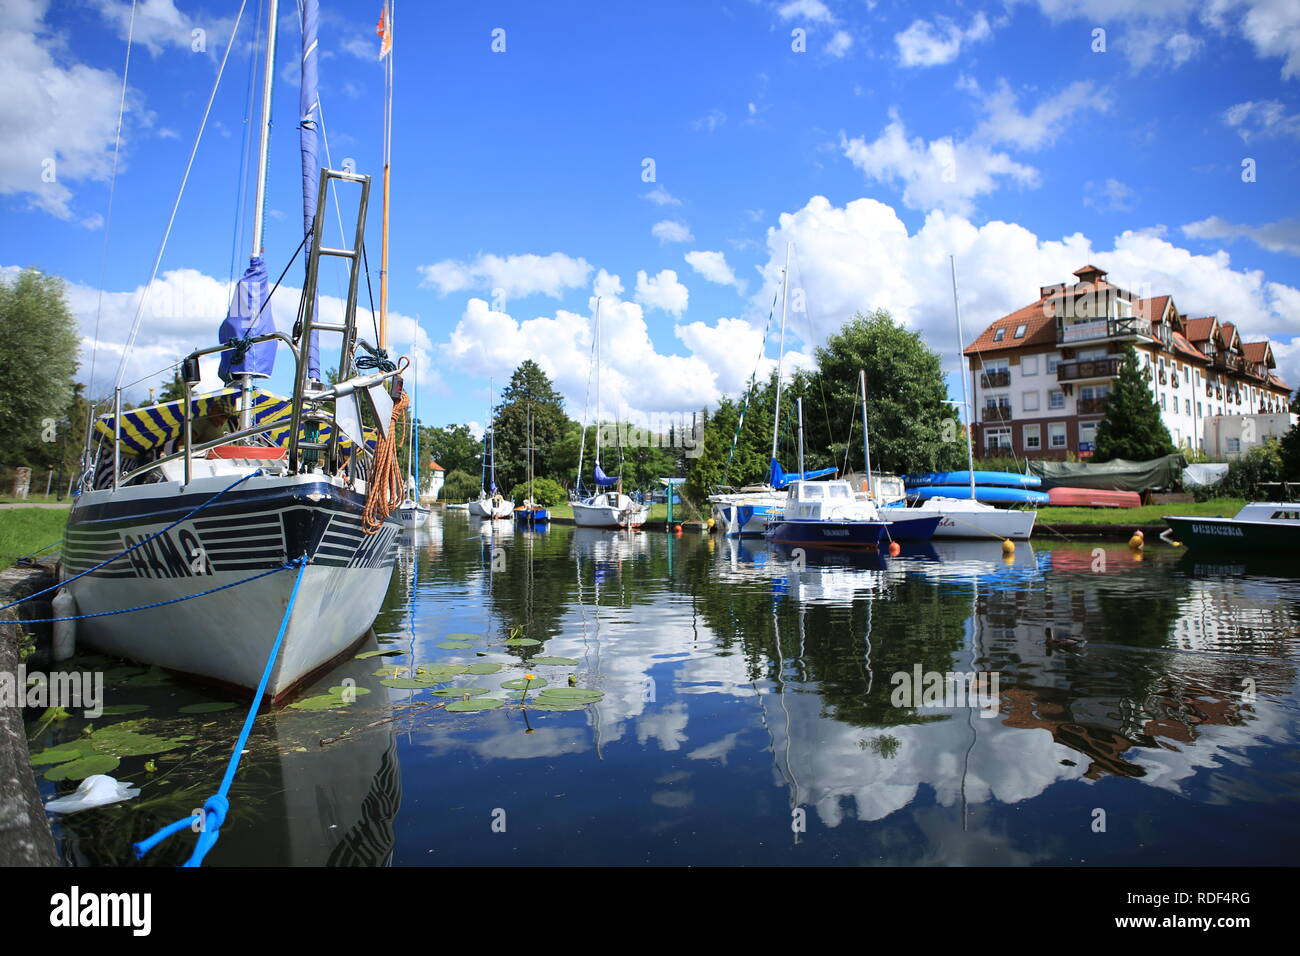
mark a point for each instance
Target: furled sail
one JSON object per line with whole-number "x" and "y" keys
{"x": 779, "y": 479}
{"x": 603, "y": 479}
{"x": 308, "y": 115}
{"x": 249, "y": 317}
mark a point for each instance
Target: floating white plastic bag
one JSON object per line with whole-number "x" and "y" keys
{"x": 97, "y": 790}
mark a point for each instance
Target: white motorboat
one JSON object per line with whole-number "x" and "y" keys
{"x": 963, "y": 518}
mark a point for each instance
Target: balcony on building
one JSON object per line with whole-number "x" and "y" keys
{"x": 995, "y": 378}
{"x": 1071, "y": 332}
{"x": 1090, "y": 406}
{"x": 996, "y": 413}
{"x": 1093, "y": 368}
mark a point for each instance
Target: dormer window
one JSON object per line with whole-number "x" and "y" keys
{"x": 999, "y": 334}
{"x": 1020, "y": 330}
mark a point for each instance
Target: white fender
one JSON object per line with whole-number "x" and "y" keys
{"x": 65, "y": 632}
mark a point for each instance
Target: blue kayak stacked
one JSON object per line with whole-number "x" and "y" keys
{"x": 991, "y": 487}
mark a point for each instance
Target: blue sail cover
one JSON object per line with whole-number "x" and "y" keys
{"x": 779, "y": 479}
{"x": 604, "y": 480}
{"x": 250, "y": 315}
{"x": 308, "y": 108}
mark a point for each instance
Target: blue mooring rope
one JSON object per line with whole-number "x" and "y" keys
{"x": 217, "y": 806}
{"x": 27, "y": 558}
{"x": 142, "y": 541}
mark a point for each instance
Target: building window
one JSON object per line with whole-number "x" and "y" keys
{"x": 1234, "y": 446}
{"x": 1020, "y": 331}
{"x": 997, "y": 438}
{"x": 999, "y": 334}
{"x": 1200, "y": 410}
{"x": 1187, "y": 406}
{"x": 1164, "y": 405}
{"x": 1087, "y": 435}
{"x": 1056, "y": 434}
{"x": 1052, "y": 362}
{"x": 1032, "y": 436}
{"x": 1187, "y": 373}
{"x": 1029, "y": 365}
{"x": 1056, "y": 398}
{"x": 1029, "y": 400}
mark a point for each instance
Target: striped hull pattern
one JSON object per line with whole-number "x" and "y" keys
{"x": 256, "y": 527}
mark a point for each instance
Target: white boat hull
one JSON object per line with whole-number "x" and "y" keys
{"x": 609, "y": 510}
{"x": 487, "y": 508}
{"x": 969, "y": 519}
{"x": 227, "y": 636}
{"x": 412, "y": 516}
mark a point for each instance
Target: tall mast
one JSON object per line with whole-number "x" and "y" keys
{"x": 780, "y": 360}
{"x": 798, "y": 404}
{"x": 866, "y": 442}
{"x": 264, "y": 143}
{"x": 388, "y": 154}
{"x": 961, "y": 364}
{"x": 597, "y": 381}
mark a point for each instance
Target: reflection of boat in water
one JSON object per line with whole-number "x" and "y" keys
{"x": 609, "y": 544}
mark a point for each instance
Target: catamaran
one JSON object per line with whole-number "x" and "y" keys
{"x": 605, "y": 509}
{"x": 172, "y": 507}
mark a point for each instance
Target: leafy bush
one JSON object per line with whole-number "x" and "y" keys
{"x": 459, "y": 486}
{"x": 546, "y": 493}
{"x": 1263, "y": 463}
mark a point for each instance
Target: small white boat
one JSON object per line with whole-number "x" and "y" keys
{"x": 745, "y": 513}
{"x": 609, "y": 509}
{"x": 413, "y": 515}
{"x": 963, "y": 518}
{"x": 490, "y": 504}
{"x": 491, "y": 507}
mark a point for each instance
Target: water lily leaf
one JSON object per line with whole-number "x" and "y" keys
{"x": 122, "y": 673}
{"x": 572, "y": 695}
{"x": 483, "y": 667}
{"x": 395, "y": 670}
{"x": 340, "y": 690}
{"x": 480, "y": 703}
{"x": 520, "y": 684}
{"x": 320, "y": 702}
{"x": 83, "y": 768}
{"x": 462, "y": 636}
{"x": 153, "y": 677}
{"x": 407, "y": 683}
{"x": 114, "y": 710}
{"x": 389, "y": 652}
{"x": 63, "y": 753}
{"x": 211, "y": 707}
{"x": 522, "y": 642}
{"x": 460, "y": 691}
{"x": 558, "y": 661}
{"x": 132, "y": 745}
{"x": 455, "y": 645}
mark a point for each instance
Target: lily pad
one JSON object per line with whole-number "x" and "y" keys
{"x": 571, "y": 695}
{"x": 462, "y": 636}
{"x": 83, "y": 768}
{"x": 481, "y": 703}
{"x": 522, "y": 642}
{"x": 340, "y": 690}
{"x": 122, "y": 673}
{"x": 520, "y": 684}
{"x": 483, "y": 667}
{"x": 455, "y": 645}
{"x": 211, "y": 707}
{"x": 557, "y": 661}
{"x": 407, "y": 683}
{"x": 389, "y": 652}
{"x": 130, "y": 744}
{"x": 63, "y": 753}
{"x": 115, "y": 710}
{"x": 543, "y": 704}
{"x": 319, "y": 702}
{"x": 394, "y": 670}
{"x": 153, "y": 677}
{"x": 460, "y": 691}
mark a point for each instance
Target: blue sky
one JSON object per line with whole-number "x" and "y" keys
{"x": 899, "y": 134}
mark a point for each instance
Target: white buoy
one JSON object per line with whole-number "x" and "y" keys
{"x": 65, "y": 632}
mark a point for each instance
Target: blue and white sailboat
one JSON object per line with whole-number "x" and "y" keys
{"x": 186, "y": 497}
{"x": 490, "y": 503}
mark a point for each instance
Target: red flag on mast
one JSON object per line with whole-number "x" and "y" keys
{"x": 384, "y": 29}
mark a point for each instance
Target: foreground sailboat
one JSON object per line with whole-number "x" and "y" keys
{"x": 173, "y": 508}
{"x": 606, "y": 509}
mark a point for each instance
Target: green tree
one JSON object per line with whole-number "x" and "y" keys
{"x": 460, "y": 486}
{"x": 38, "y": 358}
{"x": 173, "y": 391}
{"x": 453, "y": 446}
{"x": 1289, "y": 449}
{"x": 1132, "y": 428}
{"x": 545, "y": 492}
{"x": 911, "y": 421}
{"x": 530, "y": 392}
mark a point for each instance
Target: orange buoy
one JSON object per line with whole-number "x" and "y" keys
{"x": 894, "y": 549}
{"x": 1137, "y": 542}
{"x": 1008, "y": 547}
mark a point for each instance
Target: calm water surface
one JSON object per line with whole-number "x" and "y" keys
{"x": 750, "y": 715}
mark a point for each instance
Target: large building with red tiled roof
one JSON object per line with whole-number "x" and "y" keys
{"x": 1042, "y": 374}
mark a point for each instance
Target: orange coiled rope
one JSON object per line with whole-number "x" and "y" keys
{"x": 386, "y": 488}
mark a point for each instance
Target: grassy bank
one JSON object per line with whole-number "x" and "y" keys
{"x": 23, "y": 530}
{"x": 1147, "y": 514}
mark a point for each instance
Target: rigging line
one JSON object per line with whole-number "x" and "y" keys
{"x": 171, "y": 220}
{"x": 821, "y": 385}
{"x": 108, "y": 227}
